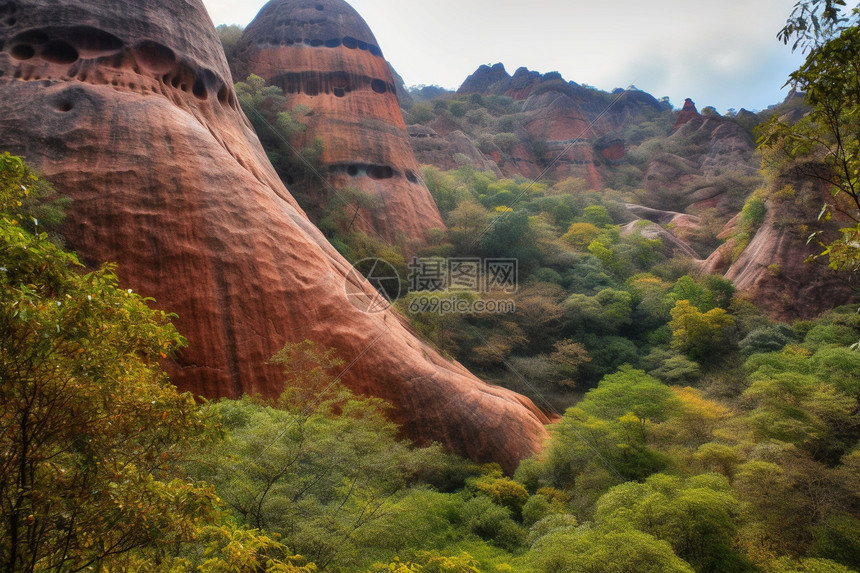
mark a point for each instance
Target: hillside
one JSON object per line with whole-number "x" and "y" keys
{"x": 264, "y": 310}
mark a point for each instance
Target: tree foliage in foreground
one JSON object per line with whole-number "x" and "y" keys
{"x": 91, "y": 430}
{"x": 825, "y": 144}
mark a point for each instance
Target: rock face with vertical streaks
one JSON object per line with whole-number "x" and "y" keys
{"x": 324, "y": 56}
{"x": 127, "y": 108}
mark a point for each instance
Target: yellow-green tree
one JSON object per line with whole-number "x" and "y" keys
{"x": 703, "y": 336}
{"x": 89, "y": 423}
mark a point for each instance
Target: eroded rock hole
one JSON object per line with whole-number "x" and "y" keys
{"x": 352, "y": 170}
{"x": 316, "y": 43}
{"x": 333, "y": 43}
{"x": 199, "y": 90}
{"x": 350, "y": 42}
{"x": 375, "y": 50}
{"x": 224, "y": 95}
{"x": 380, "y": 172}
{"x": 339, "y": 92}
{"x": 23, "y": 52}
{"x": 340, "y": 80}
{"x": 93, "y": 40}
{"x": 64, "y": 105}
{"x": 59, "y": 52}
{"x": 37, "y": 37}
{"x": 378, "y": 86}
{"x": 362, "y": 45}
{"x": 410, "y": 176}
{"x": 155, "y": 57}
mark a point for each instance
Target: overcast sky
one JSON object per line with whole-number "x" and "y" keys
{"x": 721, "y": 54}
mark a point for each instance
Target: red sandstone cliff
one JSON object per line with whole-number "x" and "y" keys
{"x": 127, "y": 108}
{"x": 324, "y": 56}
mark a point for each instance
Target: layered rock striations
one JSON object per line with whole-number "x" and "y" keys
{"x": 127, "y": 108}
{"x": 324, "y": 56}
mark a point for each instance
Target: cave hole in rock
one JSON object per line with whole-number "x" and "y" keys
{"x": 350, "y": 42}
{"x": 155, "y": 57}
{"x": 378, "y": 86}
{"x": 316, "y": 43}
{"x": 375, "y": 50}
{"x": 352, "y": 170}
{"x": 59, "y": 52}
{"x": 199, "y": 90}
{"x": 224, "y": 95}
{"x": 2, "y": 72}
{"x": 379, "y": 172}
{"x": 23, "y": 52}
{"x": 410, "y": 176}
{"x": 64, "y": 105}
{"x": 362, "y": 45}
{"x": 88, "y": 39}
{"x": 333, "y": 43}
{"x": 117, "y": 61}
{"x": 38, "y": 37}
{"x": 339, "y": 92}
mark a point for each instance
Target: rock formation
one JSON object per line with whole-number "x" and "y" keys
{"x": 687, "y": 114}
{"x": 578, "y": 127}
{"x": 324, "y": 56}
{"x": 432, "y": 149}
{"x": 127, "y": 108}
{"x": 772, "y": 269}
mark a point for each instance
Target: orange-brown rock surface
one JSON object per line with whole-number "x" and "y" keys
{"x": 127, "y": 108}
{"x": 687, "y": 114}
{"x": 772, "y": 270}
{"x": 324, "y": 56}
